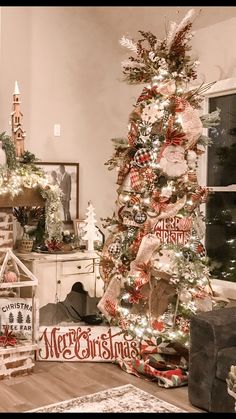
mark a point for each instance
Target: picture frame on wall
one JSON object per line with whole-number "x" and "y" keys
{"x": 66, "y": 176}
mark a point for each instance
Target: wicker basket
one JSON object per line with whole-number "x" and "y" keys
{"x": 26, "y": 245}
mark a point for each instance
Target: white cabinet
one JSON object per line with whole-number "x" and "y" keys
{"x": 57, "y": 273}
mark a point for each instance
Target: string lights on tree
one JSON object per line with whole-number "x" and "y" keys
{"x": 154, "y": 263}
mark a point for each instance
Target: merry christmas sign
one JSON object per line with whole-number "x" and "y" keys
{"x": 85, "y": 343}
{"x": 173, "y": 230}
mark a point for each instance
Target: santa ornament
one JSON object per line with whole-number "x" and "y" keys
{"x": 172, "y": 161}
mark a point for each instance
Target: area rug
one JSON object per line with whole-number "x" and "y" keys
{"x": 123, "y": 399}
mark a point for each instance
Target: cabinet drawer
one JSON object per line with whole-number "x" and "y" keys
{"x": 75, "y": 267}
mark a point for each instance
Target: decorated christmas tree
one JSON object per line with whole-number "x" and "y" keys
{"x": 154, "y": 263}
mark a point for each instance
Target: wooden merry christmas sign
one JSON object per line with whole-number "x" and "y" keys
{"x": 85, "y": 343}
{"x": 173, "y": 230}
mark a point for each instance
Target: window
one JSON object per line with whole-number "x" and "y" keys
{"x": 220, "y": 177}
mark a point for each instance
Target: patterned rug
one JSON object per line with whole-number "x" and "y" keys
{"x": 123, "y": 399}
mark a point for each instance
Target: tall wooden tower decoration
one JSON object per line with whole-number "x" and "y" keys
{"x": 18, "y": 134}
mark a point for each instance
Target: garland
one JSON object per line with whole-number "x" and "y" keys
{"x": 14, "y": 176}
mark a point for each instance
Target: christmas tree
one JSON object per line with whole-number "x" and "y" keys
{"x": 91, "y": 232}
{"x": 154, "y": 263}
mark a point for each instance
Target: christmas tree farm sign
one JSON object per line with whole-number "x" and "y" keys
{"x": 16, "y": 313}
{"x": 86, "y": 343}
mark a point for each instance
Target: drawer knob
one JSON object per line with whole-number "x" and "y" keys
{"x": 59, "y": 282}
{"x": 98, "y": 277}
{"x": 79, "y": 266}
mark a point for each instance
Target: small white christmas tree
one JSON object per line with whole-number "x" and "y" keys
{"x": 91, "y": 232}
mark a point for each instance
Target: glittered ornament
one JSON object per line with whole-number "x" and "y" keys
{"x": 140, "y": 217}
{"x": 123, "y": 198}
{"x": 143, "y": 157}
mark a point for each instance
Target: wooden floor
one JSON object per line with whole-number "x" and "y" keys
{"x": 53, "y": 382}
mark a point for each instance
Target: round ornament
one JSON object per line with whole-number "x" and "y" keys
{"x": 140, "y": 217}
{"x": 143, "y": 157}
{"x": 114, "y": 249}
{"x": 10, "y": 276}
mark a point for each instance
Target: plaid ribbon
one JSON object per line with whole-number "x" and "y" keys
{"x": 169, "y": 378}
{"x": 135, "y": 178}
{"x": 110, "y": 306}
{"x": 122, "y": 173}
{"x": 199, "y": 248}
{"x": 132, "y": 134}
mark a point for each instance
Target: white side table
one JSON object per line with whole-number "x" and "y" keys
{"x": 57, "y": 273}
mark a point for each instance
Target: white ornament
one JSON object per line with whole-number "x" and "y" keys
{"x": 191, "y": 159}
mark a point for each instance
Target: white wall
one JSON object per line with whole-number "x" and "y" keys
{"x": 215, "y": 47}
{"x": 67, "y": 61}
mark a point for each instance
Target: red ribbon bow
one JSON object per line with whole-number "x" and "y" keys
{"x": 174, "y": 137}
